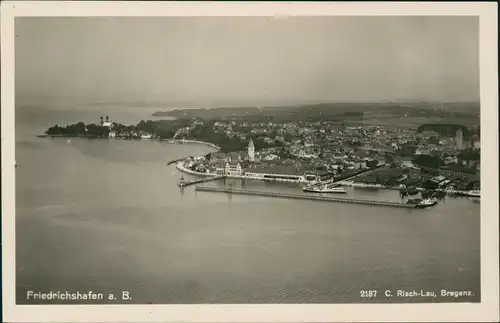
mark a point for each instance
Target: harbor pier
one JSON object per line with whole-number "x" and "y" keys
{"x": 183, "y": 183}
{"x": 303, "y": 197}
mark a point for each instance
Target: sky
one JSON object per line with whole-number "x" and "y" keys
{"x": 247, "y": 59}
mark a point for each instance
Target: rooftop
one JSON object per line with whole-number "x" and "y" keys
{"x": 438, "y": 179}
{"x": 276, "y": 169}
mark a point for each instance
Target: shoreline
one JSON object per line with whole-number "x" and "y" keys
{"x": 189, "y": 141}
{"x": 170, "y": 141}
{"x": 180, "y": 167}
{"x": 395, "y": 188}
{"x": 365, "y": 185}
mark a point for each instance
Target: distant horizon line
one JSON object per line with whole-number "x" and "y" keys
{"x": 239, "y": 103}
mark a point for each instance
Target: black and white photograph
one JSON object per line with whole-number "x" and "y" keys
{"x": 260, "y": 159}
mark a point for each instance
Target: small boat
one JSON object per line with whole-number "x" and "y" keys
{"x": 474, "y": 193}
{"x": 408, "y": 191}
{"x": 414, "y": 201}
{"x": 427, "y": 202}
{"x": 427, "y": 194}
{"x": 324, "y": 189}
{"x": 182, "y": 181}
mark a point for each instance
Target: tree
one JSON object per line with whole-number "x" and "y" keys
{"x": 55, "y": 130}
{"x": 141, "y": 125}
{"x": 434, "y": 140}
{"x": 99, "y": 131}
{"x": 76, "y": 129}
{"x": 429, "y": 185}
{"x": 469, "y": 154}
{"x": 428, "y": 161}
{"x": 372, "y": 163}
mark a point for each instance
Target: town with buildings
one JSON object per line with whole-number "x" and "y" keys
{"x": 432, "y": 156}
{"x": 321, "y": 151}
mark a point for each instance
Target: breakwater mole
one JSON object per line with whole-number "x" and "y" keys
{"x": 183, "y": 183}
{"x": 303, "y": 197}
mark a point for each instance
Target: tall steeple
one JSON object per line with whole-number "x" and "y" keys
{"x": 459, "y": 139}
{"x": 251, "y": 150}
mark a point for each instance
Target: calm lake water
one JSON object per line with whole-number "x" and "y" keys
{"x": 107, "y": 216}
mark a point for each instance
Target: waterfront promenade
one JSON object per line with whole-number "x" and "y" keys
{"x": 180, "y": 167}
{"x": 397, "y": 188}
{"x": 303, "y": 197}
{"x": 344, "y": 182}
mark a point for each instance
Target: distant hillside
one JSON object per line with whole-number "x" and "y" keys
{"x": 205, "y": 113}
{"x": 469, "y": 112}
{"x": 445, "y": 129}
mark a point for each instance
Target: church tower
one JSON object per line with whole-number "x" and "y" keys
{"x": 460, "y": 139}
{"x": 251, "y": 150}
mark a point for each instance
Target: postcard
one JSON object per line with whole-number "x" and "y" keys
{"x": 249, "y": 161}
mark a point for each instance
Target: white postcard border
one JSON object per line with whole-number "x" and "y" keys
{"x": 487, "y": 310}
